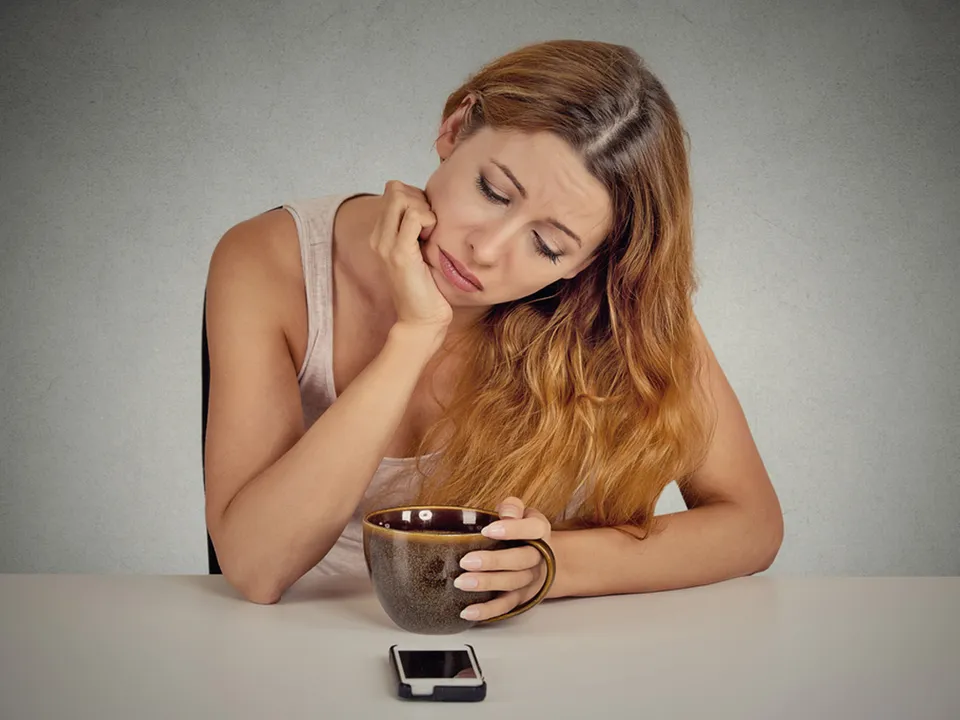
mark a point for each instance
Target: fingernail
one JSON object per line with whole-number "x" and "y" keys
{"x": 465, "y": 582}
{"x": 495, "y": 530}
{"x": 509, "y": 511}
{"x": 470, "y": 614}
{"x": 470, "y": 563}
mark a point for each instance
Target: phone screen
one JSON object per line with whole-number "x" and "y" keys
{"x": 436, "y": 664}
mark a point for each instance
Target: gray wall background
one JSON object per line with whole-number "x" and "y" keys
{"x": 825, "y": 164}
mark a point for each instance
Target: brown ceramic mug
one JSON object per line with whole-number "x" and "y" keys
{"x": 413, "y": 556}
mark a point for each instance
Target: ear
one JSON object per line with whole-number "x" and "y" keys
{"x": 450, "y": 128}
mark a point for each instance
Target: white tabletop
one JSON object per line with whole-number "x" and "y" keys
{"x": 126, "y": 646}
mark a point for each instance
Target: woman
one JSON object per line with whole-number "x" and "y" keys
{"x": 517, "y": 335}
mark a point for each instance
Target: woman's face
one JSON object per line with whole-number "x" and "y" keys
{"x": 502, "y": 201}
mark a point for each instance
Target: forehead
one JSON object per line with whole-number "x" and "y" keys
{"x": 553, "y": 175}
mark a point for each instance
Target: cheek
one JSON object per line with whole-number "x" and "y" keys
{"x": 439, "y": 192}
{"x": 445, "y": 180}
{"x": 451, "y": 199}
{"x": 528, "y": 275}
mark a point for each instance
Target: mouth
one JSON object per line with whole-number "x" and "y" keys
{"x": 458, "y": 275}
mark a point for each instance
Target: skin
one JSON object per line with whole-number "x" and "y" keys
{"x": 390, "y": 296}
{"x": 730, "y": 497}
{"x": 501, "y": 240}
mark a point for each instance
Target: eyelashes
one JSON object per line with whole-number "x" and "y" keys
{"x": 539, "y": 245}
{"x": 488, "y": 191}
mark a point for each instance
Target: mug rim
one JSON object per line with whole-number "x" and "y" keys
{"x": 367, "y": 523}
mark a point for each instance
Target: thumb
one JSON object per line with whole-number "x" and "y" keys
{"x": 512, "y": 507}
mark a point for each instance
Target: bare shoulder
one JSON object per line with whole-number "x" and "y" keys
{"x": 264, "y": 246}
{"x": 259, "y": 258}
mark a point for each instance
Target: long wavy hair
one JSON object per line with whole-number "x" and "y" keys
{"x": 583, "y": 399}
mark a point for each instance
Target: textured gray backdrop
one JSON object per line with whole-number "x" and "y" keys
{"x": 825, "y": 163}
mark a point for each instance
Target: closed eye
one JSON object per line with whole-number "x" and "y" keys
{"x": 541, "y": 247}
{"x": 488, "y": 191}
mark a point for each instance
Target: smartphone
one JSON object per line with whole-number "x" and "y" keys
{"x": 443, "y": 674}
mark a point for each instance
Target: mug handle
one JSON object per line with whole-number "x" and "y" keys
{"x": 550, "y": 561}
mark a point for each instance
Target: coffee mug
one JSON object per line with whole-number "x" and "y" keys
{"x": 413, "y": 556}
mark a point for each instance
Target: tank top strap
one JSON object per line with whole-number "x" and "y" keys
{"x": 314, "y": 219}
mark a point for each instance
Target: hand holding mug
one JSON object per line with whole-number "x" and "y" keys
{"x": 517, "y": 572}
{"x": 414, "y": 556}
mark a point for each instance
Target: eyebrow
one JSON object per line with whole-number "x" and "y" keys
{"x": 523, "y": 193}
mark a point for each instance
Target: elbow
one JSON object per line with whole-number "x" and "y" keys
{"x": 249, "y": 576}
{"x": 767, "y": 554}
{"x": 254, "y": 587}
{"x": 768, "y": 538}
{"x": 259, "y": 594}
{"x": 250, "y": 581}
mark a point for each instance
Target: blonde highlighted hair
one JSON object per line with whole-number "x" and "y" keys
{"x": 588, "y": 389}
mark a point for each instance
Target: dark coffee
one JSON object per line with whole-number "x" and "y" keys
{"x": 413, "y": 555}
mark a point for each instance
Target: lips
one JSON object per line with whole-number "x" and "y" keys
{"x": 466, "y": 274}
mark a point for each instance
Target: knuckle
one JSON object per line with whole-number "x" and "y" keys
{"x": 532, "y": 558}
{"x": 395, "y": 203}
{"x": 487, "y": 582}
{"x": 490, "y": 560}
{"x": 409, "y": 218}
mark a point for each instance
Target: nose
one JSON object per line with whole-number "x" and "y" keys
{"x": 489, "y": 245}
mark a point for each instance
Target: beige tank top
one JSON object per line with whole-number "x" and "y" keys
{"x": 314, "y": 219}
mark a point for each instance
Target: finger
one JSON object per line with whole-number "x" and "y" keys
{"x": 398, "y": 187}
{"x": 498, "y": 606}
{"x": 512, "y": 507}
{"x": 398, "y": 201}
{"x": 388, "y": 221}
{"x": 530, "y": 512}
{"x": 395, "y": 201}
{"x": 485, "y": 581}
{"x": 518, "y": 558}
{"x": 416, "y": 218}
{"x": 529, "y": 528}
{"x": 405, "y": 245}
{"x": 402, "y": 248}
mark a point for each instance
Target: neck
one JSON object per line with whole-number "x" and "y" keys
{"x": 355, "y": 222}
{"x": 464, "y": 319}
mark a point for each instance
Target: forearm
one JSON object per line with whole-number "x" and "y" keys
{"x": 285, "y": 520}
{"x": 700, "y": 546}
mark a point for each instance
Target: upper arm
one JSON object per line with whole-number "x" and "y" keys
{"x": 254, "y": 411}
{"x": 733, "y": 470}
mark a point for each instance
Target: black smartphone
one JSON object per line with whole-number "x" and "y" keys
{"x": 442, "y": 674}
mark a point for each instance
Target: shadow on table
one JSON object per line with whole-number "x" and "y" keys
{"x": 350, "y": 596}
{"x": 313, "y": 588}
{"x": 353, "y": 596}
{"x": 209, "y": 585}
{"x": 310, "y": 588}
